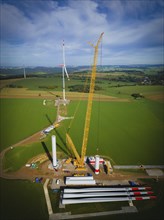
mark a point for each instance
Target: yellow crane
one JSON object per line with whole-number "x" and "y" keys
{"x": 79, "y": 162}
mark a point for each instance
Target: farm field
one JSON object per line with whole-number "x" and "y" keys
{"x": 21, "y": 118}
{"x": 32, "y": 205}
{"x": 52, "y": 86}
{"x": 22, "y": 200}
{"x": 128, "y": 133}
{"x": 126, "y": 91}
{"x": 43, "y": 83}
{"x": 82, "y": 110}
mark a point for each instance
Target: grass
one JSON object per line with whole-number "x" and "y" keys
{"x": 25, "y": 200}
{"x": 135, "y": 119}
{"x": 22, "y": 200}
{"x": 129, "y": 133}
{"x": 110, "y": 88}
{"x": 21, "y": 118}
{"x": 34, "y": 83}
{"x": 126, "y": 91}
{"x": 18, "y": 157}
{"x": 122, "y": 131}
{"x": 149, "y": 209}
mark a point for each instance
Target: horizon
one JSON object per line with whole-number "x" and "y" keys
{"x": 32, "y": 32}
{"x": 74, "y": 66}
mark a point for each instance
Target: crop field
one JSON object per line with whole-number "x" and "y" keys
{"x": 112, "y": 88}
{"x": 36, "y": 83}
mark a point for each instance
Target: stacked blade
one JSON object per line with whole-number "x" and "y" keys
{"x": 106, "y": 194}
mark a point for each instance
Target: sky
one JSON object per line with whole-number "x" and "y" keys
{"x": 32, "y": 32}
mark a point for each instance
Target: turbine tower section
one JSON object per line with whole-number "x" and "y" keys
{"x": 97, "y": 163}
{"x": 54, "y": 158}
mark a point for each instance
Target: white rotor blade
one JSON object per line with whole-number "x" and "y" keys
{"x": 66, "y": 72}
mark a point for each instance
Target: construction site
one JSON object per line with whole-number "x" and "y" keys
{"x": 82, "y": 178}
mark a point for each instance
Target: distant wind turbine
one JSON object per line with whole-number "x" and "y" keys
{"x": 24, "y": 71}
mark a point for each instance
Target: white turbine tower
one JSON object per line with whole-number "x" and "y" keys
{"x": 64, "y": 71}
{"x": 61, "y": 103}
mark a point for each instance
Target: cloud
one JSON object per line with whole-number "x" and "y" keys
{"x": 135, "y": 9}
{"x": 138, "y": 34}
{"x": 35, "y": 29}
{"x": 14, "y": 25}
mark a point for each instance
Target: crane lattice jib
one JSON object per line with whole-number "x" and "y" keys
{"x": 72, "y": 147}
{"x": 90, "y": 100}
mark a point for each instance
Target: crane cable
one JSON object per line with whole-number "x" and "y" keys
{"x": 82, "y": 97}
{"x": 77, "y": 110}
{"x": 79, "y": 102}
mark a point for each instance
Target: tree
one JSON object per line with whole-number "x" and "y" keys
{"x": 137, "y": 95}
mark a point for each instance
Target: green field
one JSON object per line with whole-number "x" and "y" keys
{"x": 127, "y": 132}
{"x": 126, "y": 91}
{"x": 111, "y": 88}
{"x": 22, "y": 200}
{"x": 35, "y": 83}
{"x": 21, "y": 118}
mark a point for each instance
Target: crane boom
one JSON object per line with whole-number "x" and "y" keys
{"x": 73, "y": 148}
{"x": 90, "y": 100}
{"x": 80, "y": 160}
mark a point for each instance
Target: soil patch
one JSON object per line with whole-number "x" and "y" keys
{"x": 157, "y": 97}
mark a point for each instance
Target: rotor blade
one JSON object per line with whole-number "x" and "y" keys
{"x": 66, "y": 72}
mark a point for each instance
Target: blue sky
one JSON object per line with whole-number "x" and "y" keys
{"x": 32, "y": 31}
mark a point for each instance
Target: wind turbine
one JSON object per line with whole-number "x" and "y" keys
{"x": 24, "y": 72}
{"x": 61, "y": 103}
{"x": 64, "y": 71}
